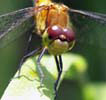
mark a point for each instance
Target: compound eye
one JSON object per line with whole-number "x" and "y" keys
{"x": 69, "y": 33}
{"x": 54, "y": 32}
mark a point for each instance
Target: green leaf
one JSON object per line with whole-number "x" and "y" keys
{"x": 27, "y": 87}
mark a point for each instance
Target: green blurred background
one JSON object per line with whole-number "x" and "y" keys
{"x": 88, "y": 84}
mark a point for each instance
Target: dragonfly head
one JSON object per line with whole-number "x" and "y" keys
{"x": 64, "y": 34}
{"x": 61, "y": 39}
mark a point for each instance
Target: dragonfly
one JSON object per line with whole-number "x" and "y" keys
{"x": 59, "y": 26}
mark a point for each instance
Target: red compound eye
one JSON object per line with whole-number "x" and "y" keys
{"x": 69, "y": 33}
{"x": 54, "y": 31}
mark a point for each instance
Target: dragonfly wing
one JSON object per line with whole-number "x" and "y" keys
{"x": 12, "y": 23}
{"x": 90, "y": 28}
{"x": 93, "y": 15}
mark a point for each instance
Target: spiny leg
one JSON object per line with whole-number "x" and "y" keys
{"x": 59, "y": 68}
{"x": 39, "y": 67}
{"x": 26, "y": 54}
{"x": 23, "y": 58}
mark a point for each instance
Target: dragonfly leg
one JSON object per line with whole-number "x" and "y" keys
{"x": 39, "y": 67}
{"x": 59, "y": 68}
{"x": 26, "y": 55}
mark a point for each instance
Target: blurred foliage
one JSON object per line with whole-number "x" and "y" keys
{"x": 79, "y": 83}
{"x": 94, "y": 91}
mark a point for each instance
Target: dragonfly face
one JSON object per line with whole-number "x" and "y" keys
{"x": 58, "y": 31}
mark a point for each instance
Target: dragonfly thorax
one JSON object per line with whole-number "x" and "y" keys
{"x": 50, "y": 15}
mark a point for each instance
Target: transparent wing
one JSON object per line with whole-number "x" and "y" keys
{"x": 90, "y": 27}
{"x": 92, "y": 15}
{"x": 11, "y": 25}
